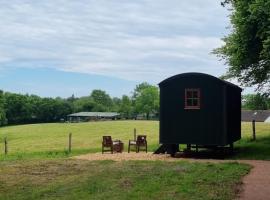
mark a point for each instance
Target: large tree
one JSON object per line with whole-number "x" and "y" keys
{"x": 247, "y": 48}
{"x": 102, "y": 100}
{"x": 147, "y": 101}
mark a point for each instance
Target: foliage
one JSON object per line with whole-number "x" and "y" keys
{"x": 24, "y": 109}
{"x": 83, "y": 104}
{"x": 247, "y": 48}
{"x": 102, "y": 100}
{"x": 3, "y": 119}
{"x": 147, "y": 100}
{"x": 126, "y": 107}
{"x": 139, "y": 88}
{"x": 21, "y": 109}
{"x": 78, "y": 179}
{"x": 256, "y": 102}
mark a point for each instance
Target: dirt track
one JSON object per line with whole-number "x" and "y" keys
{"x": 256, "y": 185}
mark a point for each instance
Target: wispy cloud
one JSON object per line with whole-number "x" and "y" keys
{"x": 135, "y": 40}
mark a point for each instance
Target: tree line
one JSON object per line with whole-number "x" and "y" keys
{"x": 144, "y": 102}
{"x": 24, "y": 109}
{"x": 255, "y": 102}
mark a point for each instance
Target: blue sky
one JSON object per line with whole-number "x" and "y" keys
{"x": 64, "y": 47}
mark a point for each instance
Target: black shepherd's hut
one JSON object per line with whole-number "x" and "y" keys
{"x": 198, "y": 109}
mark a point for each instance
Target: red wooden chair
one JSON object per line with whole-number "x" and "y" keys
{"x": 132, "y": 142}
{"x": 141, "y": 142}
{"x": 107, "y": 144}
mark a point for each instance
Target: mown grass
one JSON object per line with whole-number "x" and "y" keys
{"x": 259, "y": 149}
{"x": 77, "y": 179}
{"x": 51, "y": 140}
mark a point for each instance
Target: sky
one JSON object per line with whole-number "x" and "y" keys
{"x": 64, "y": 47}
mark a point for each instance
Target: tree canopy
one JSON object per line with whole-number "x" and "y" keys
{"x": 22, "y": 109}
{"x": 255, "y": 102}
{"x": 3, "y": 119}
{"x": 147, "y": 100}
{"x": 247, "y": 48}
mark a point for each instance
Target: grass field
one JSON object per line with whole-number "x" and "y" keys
{"x": 76, "y": 179}
{"x": 50, "y": 140}
{"x": 38, "y": 166}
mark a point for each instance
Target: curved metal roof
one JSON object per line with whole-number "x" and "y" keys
{"x": 189, "y": 74}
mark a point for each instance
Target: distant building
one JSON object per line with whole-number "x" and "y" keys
{"x": 257, "y": 115}
{"x": 92, "y": 116}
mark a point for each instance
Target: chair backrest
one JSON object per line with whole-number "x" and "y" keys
{"x": 141, "y": 139}
{"x": 107, "y": 141}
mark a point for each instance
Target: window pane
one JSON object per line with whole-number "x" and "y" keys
{"x": 189, "y": 102}
{"x": 195, "y": 94}
{"x": 192, "y": 98}
{"x": 189, "y": 94}
{"x": 195, "y": 102}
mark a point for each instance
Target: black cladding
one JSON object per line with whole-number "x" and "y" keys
{"x": 197, "y": 108}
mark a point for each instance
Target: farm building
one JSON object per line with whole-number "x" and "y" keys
{"x": 257, "y": 115}
{"x": 89, "y": 116}
{"x": 200, "y": 110}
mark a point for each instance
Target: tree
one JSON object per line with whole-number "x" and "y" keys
{"x": 126, "y": 107}
{"x": 102, "y": 100}
{"x": 84, "y": 104}
{"x": 116, "y": 104}
{"x": 139, "y": 88}
{"x": 255, "y": 102}
{"x": 18, "y": 109}
{"x": 3, "y": 119}
{"x": 247, "y": 47}
{"x": 147, "y": 101}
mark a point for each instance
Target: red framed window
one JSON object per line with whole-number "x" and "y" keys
{"x": 192, "y": 98}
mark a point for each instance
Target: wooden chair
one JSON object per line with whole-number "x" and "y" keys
{"x": 132, "y": 142}
{"x": 107, "y": 144}
{"x": 141, "y": 142}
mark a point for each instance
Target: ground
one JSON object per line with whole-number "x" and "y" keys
{"x": 82, "y": 179}
{"x": 38, "y": 165}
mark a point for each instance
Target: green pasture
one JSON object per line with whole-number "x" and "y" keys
{"x": 51, "y": 140}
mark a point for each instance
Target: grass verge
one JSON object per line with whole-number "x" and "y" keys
{"x": 78, "y": 179}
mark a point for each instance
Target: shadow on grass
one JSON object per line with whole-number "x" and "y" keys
{"x": 254, "y": 150}
{"x": 244, "y": 149}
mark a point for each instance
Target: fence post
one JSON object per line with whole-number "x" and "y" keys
{"x": 254, "y": 129}
{"x": 69, "y": 142}
{"x": 6, "y": 146}
{"x": 134, "y": 134}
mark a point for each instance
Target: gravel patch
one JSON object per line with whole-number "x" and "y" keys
{"x": 125, "y": 156}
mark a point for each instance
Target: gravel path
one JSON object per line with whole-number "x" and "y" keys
{"x": 256, "y": 185}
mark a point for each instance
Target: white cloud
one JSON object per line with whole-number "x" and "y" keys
{"x": 137, "y": 40}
